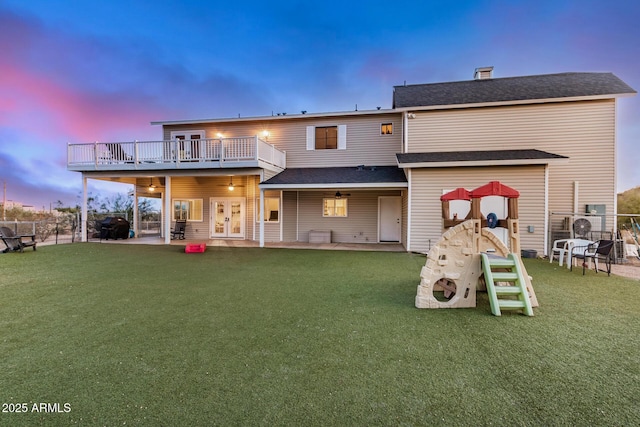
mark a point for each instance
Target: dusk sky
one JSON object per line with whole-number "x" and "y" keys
{"x": 84, "y": 71}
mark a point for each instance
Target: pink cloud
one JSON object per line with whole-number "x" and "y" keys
{"x": 46, "y": 107}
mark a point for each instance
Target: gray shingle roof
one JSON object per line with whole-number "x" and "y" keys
{"x": 475, "y": 156}
{"x": 339, "y": 175}
{"x": 564, "y": 85}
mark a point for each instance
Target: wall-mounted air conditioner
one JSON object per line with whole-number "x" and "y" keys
{"x": 584, "y": 225}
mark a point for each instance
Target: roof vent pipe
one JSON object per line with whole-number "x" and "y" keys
{"x": 483, "y": 73}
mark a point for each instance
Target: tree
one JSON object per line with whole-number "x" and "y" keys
{"x": 628, "y": 203}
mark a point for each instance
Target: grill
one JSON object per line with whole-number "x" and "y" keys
{"x": 114, "y": 227}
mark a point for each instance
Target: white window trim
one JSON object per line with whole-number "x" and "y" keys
{"x": 173, "y": 205}
{"x": 346, "y": 208}
{"x": 387, "y": 123}
{"x": 266, "y": 221}
{"x": 311, "y": 137}
{"x": 176, "y": 133}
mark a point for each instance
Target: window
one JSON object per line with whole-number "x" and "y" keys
{"x": 386, "y": 129}
{"x": 271, "y": 209}
{"x": 327, "y": 138}
{"x": 334, "y": 208}
{"x": 189, "y": 209}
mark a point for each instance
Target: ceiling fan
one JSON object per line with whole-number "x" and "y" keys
{"x": 231, "y": 186}
{"x": 337, "y": 195}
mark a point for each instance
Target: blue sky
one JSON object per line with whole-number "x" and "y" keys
{"x": 84, "y": 71}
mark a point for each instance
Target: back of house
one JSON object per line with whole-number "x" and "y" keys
{"x": 376, "y": 176}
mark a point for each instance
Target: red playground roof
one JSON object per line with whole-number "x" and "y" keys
{"x": 494, "y": 188}
{"x": 457, "y": 194}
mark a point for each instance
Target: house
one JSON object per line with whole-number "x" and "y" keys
{"x": 376, "y": 176}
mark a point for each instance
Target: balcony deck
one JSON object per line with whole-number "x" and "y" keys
{"x": 210, "y": 153}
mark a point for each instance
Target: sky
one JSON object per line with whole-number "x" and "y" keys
{"x": 84, "y": 71}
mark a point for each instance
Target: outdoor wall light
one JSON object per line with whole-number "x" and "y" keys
{"x": 265, "y": 134}
{"x": 219, "y": 135}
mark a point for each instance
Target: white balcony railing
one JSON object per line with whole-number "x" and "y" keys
{"x": 198, "y": 153}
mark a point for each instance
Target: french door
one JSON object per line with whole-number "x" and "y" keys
{"x": 227, "y": 217}
{"x": 188, "y": 144}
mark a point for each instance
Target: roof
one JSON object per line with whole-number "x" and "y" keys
{"x": 548, "y": 86}
{"x": 279, "y": 116}
{"x": 494, "y": 188}
{"x": 338, "y": 177}
{"x": 477, "y": 158}
{"x": 457, "y": 194}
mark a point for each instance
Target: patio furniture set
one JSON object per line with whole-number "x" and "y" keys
{"x": 572, "y": 250}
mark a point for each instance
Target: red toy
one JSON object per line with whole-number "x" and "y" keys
{"x": 194, "y": 248}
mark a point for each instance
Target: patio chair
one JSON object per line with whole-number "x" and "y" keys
{"x": 564, "y": 249}
{"x": 560, "y": 247}
{"x": 599, "y": 251}
{"x": 14, "y": 243}
{"x": 178, "y": 231}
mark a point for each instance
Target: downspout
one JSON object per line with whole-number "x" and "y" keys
{"x": 615, "y": 168}
{"x": 576, "y": 194}
{"x": 546, "y": 209}
{"x": 405, "y": 132}
{"x": 409, "y": 211}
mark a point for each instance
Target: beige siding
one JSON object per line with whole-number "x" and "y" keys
{"x": 427, "y": 186}
{"x": 289, "y": 215}
{"x": 365, "y": 145}
{"x": 360, "y": 226}
{"x": 583, "y": 131}
{"x": 205, "y": 188}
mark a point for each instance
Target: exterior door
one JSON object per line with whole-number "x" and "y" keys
{"x": 390, "y": 218}
{"x": 227, "y": 217}
{"x": 188, "y": 144}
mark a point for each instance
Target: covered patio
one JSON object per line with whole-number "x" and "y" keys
{"x": 227, "y": 243}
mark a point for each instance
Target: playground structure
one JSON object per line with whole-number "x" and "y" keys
{"x": 469, "y": 257}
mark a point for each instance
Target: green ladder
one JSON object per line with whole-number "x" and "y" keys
{"x": 513, "y": 274}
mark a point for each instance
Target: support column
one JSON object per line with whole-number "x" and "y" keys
{"x": 261, "y": 218}
{"x": 136, "y": 215}
{"x": 85, "y": 210}
{"x": 168, "y": 212}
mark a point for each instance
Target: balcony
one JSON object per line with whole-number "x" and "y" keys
{"x": 210, "y": 153}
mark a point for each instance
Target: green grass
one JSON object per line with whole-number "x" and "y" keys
{"x": 147, "y": 335}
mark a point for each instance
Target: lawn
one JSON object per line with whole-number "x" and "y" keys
{"x": 148, "y": 335}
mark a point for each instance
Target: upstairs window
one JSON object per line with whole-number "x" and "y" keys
{"x": 386, "y": 129}
{"x": 327, "y": 137}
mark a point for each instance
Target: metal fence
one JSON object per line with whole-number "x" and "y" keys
{"x": 61, "y": 231}
{"x": 49, "y": 231}
{"x": 578, "y": 225}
